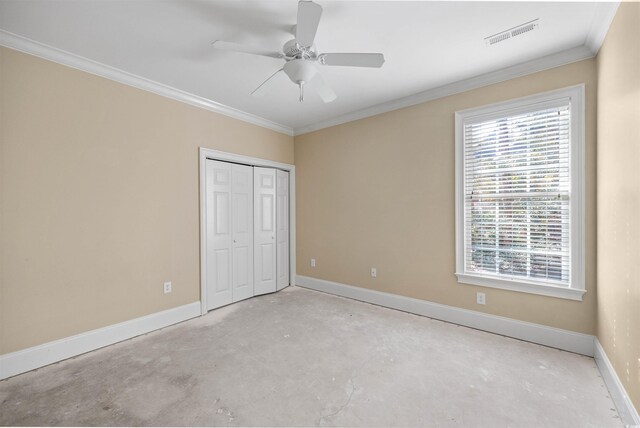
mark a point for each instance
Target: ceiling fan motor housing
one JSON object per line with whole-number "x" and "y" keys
{"x": 293, "y": 50}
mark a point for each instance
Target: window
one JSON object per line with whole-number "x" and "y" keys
{"x": 519, "y": 194}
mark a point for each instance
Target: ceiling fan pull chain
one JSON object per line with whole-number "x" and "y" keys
{"x": 301, "y": 84}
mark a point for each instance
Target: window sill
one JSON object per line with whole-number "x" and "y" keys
{"x": 522, "y": 286}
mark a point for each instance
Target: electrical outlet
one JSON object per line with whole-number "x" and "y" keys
{"x": 167, "y": 287}
{"x": 313, "y": 262}
{"x": 481, "y": 299}
{"x": 374, "y": 272}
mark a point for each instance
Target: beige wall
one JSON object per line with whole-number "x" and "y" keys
{"x": 380, "y": 192}
{"x": 619, "y": 197}
{"x": 99, "y": 198}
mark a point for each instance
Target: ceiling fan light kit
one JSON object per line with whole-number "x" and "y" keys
{"x": 300, "y": 55}
{"x": 300, "y": 71}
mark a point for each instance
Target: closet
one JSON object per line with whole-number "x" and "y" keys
{"x": 247, "y": 231}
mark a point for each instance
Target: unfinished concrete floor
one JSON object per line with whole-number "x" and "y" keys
{"x": 304, "y": 358}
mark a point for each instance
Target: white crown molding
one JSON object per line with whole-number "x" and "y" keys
{"x": 23, "y": 44}
{"x": 536, "y": 333}
{"x": 602, "y": 18}
{"x": 619, "y": 395}
{"x": 48, "y": 353}
{"x": 604, "y": 14}
{"x": 551, "y": 61}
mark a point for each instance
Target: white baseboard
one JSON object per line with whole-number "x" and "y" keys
{"x": 39, "y": 356}
{"x": 536, "y": 333}
{"x": 625, "y": 407}
{"x": 48, "y": 353}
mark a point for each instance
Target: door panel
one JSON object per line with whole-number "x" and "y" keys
{"x": 265, "y": 230}
{"x": 266, "y": 252}
{"x": 241, "y": 214}
{"x": 282, "y": 228}
{"x": 218, "y": 218}
{"x": 266, "y": 202}
{"x": 242, "y": 224}
{"x": 221, "y": 264}
{"x": 241, "y": 273}
{"x": 222, "y": 211}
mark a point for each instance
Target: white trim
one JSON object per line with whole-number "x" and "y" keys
{"x": 48, "y": 353}
{"x": 205, "y": 154}
{"x": 247, "y": 160}
{"x": 549, "y": 336}
{"x": 551, "y": 61}
{"x": 23, "y": 44}
{"x": 32, "y": 47}
{"x": 578, "y": 188}
{"x": 292, "y": 226}
{"x": 575, "y": 96}
{"x": 618, "y": 394}
{"x": 520, "y": 285}
{"x": 602, "y": 18}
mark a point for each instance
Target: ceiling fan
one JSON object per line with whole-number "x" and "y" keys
{"x": 300, "y": 55}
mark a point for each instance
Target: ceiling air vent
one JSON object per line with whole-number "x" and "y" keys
{"x": 512, "y": 32}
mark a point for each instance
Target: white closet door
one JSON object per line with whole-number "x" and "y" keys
{"x": 282, "y": 228}
{"x": 264, "y": 230}
{"x": 242, "y": 226}
{"x": 218, "y": 218}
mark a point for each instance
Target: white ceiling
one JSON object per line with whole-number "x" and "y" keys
{"x": 426, "y": 44}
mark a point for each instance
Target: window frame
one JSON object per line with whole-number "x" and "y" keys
{"x": 575, "y": 96}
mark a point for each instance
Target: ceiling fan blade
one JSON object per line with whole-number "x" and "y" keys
{"x": 323, "y": 89}
{"x": 264, "y": 87}
{"x": 309, "y": 14}
{"x": 237, "y": 47}
{"x": 352, "y": 59}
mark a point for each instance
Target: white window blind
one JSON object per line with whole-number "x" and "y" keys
{"x": 520, "y": 192}
{"x": 517, "y": 183}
